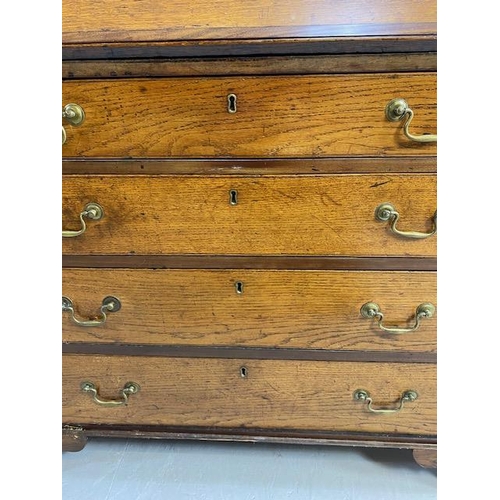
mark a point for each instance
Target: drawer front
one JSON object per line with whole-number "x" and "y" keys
{"x": 306, "y": 116}
{"x": 251, "y": 308}
{"x": 308, "y": 395}
{"x": 233, "y": 215}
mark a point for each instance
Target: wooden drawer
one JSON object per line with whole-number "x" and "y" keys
{"x": 251, "y": 308}
{"x": 272, "y": 215}
{"x": 312, "y": 395}
{"x": 299, "y": 116}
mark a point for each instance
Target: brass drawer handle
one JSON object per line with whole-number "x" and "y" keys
{"x": 128, "y": 389}
{"x": 386, "y": 212}
{"x": 371, "y": 310}
{"x": 407, "y": 397}
{"x": 396, "y": 110}
{"x": 92, "y": 211}
{"x": 74, "y": 114}
{"x": 109, "y": 304}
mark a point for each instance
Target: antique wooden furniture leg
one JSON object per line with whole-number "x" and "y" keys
{"x": 426, "y": 458}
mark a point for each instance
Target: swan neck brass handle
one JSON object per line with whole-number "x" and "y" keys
{"x": 387, "y": 212}
{"x": 128, "y": 389}
{"x": 109, "y": 305}
{"x": 74, "y": 115}
{"x": 407, "y": 397}
{"x": 92, "y": 211}
{"x": 371, "y": 310}
{"x": 396, "y": 110}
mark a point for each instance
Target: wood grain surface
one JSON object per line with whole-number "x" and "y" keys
{"x": 284, "y": 436}
{"x": 312, "y": 395}
{"x": 277, "y": 65}
{"x": 289, "y": 215}
{"x": 277, "y": 116}
{"x": 224, "y": 352}
{"x": 253, "y": 166}
{"x": 308, "y": 45}
{"x": 252, "y": 262}
{"x": 158, "y": 20}
{"x": 289, "y": 309}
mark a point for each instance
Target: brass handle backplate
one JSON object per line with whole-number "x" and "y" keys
{"x": 371, "y": 310}
{"x": 386, "y": 212}
{"x": 128, "y": 389}
{"x": 396, "y": 110}
{"x": 364, "y": 396}
{"x": 92, "y": 211}
{"x": 109, "y": 304}
{"x": 73, "y": 114}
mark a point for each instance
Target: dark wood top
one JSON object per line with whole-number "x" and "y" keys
{"x": 113, "y": 27}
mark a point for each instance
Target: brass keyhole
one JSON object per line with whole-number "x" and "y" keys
{"x": 238, "y": 286}
{"x": 243, "y": 372}
{"x": 233, "y": 197}
{"x": 231, "y": 103}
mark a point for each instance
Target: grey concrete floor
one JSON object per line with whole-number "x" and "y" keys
{"x": 132, "y": 469}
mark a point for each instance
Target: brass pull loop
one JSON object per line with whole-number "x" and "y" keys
{"x": 92, "y": 211}
{"x": 73, "y": 114}
{"x": 109, "y": 304}
{"x": 128, "y": 389}
{"x": 371, "y": 310}
{"x": 407, "y": 397}
{"x": 386, "y": 212}
{"x": 396, "y": 110}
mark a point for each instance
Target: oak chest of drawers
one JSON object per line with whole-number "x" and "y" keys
{"x": 249, "y": 222}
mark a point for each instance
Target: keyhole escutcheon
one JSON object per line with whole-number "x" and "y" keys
{"x": 231, "y": 103}
{"x": 233, "y": 197}
{"x": 238, "y": 286}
